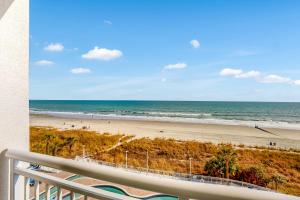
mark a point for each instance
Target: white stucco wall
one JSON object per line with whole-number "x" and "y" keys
{"x": 14, "y": 58}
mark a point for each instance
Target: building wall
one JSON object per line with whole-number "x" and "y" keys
{"x": 14, "y": 58}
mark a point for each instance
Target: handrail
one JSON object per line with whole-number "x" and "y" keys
{"x": 180, "y": 188}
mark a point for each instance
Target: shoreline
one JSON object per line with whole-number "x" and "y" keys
{"x": 215, "y": 133}
{"x": 203, "y": 121}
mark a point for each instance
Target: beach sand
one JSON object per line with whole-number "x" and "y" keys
{"x": 216, "y": 133}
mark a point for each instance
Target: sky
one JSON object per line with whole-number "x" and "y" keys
{"x": 197, "y": 50}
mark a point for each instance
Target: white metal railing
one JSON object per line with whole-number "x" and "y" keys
{"x": 179, "y": 188}
{"x": 176, "y": 175}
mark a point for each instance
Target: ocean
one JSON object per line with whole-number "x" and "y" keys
{"x": 267, "y": 114}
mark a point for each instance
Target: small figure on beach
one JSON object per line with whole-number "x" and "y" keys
{"x": 272, "y": 143}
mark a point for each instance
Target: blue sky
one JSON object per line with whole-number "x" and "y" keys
{"x": 165, "y": 50}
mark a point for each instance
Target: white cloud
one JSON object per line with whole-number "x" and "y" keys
{"x": 80, "y": 70}
{"x": 54, "y": 47}
{"x": 44, "y": 63}
{"x": 195, "y": 43}
{"x": 297, "y": 82}
{"x": 273, "y": 78}
{"x": 231, "y": 72}
{"x": 256, "y": 75}
{"x": 163, "y": 80}
{"x": 238, "y": 73}
{"x": 249, "y": 74}
{"x": 107, "y": 22}
{"x": 102, "y": 54}
{"x": 176, "y": 66}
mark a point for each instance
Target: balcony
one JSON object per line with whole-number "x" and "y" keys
{"x": 16, "y": 176}
{"x": 59, "y": 188}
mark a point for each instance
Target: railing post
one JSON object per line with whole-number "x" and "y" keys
{"x": 27, "y": 189}
{"x": 16, "y": 182}
{"x": 59, "y": 193}
{"x": 37, "y": 190}
{"x": 72, "y": 195}
{"x": 47, "y": 191}
{"x": 12, "y": 179}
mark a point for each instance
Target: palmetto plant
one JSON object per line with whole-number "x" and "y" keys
{"x": 223, "y": 164}
{"x": 48, "y": 138}
{"x": 56, "y": 145}
{"x": 278, "y": 179}
{"x": 70, "y": 141}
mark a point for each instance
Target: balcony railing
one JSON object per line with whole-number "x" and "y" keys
{"x": 180, "y": 188}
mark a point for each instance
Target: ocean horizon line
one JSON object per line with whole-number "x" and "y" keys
{"x": 239, "y": 101}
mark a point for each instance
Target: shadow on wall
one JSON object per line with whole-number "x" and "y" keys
{"x": 4, "y": 5}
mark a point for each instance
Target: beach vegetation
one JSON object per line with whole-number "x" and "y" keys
{"x": 254, "y": 174}
{"x": 271, "y": 168}
{"x": 223, "y": 164}
{"x": 278, "y": 179}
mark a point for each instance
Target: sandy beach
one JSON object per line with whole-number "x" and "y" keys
{"x": 216, "y": 133}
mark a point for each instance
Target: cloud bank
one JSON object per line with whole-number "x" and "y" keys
{"x": 258, "y": 76}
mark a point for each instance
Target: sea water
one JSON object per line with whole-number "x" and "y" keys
{"x": 268, "y": 114}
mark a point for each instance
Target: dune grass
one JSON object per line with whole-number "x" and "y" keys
{"x": 274, "y": 169}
